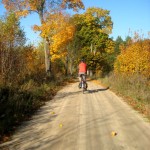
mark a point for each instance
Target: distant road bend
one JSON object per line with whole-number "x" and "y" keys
{"x": 96, "y": 120}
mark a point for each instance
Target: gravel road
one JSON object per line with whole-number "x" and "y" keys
{"x": 95, "y": 120}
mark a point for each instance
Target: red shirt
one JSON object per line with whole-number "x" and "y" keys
{"x": 82, "y": 67}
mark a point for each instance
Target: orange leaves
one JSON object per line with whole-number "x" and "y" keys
{"x": 40, "y": 6}
{"x": 59, "y": 31}
{"x": 134, "y": 59}
{"x": 34, "y": 4}
{"x": 61, "y": 39}
{"x": 36, "y": 28}
{"x": 33, "y": 60}
{"x": 23, "y": 13}
{"x": 23, "y": 7}
{"x": 50, "y": 26}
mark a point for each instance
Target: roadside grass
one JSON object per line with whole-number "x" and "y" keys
{"x": 134, "y": 89}
{"x": 19, "y": 103}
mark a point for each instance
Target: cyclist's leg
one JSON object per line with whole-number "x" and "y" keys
{"x": 79, "y": 81}
{"x": 84, "y": 77}
{"x": 85, "y": 81}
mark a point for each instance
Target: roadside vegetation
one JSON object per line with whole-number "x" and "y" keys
{"x": 29, "y": 76}
{"x": 131, "y": 74}
{"x": 24, "y": 85}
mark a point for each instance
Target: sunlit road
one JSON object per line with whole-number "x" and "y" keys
{"x": 96, "y": 120}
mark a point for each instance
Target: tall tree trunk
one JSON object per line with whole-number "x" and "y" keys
{"x": 46, "y": 45}
{"x": 47, "y": 57}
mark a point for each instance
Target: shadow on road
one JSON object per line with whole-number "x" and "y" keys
{"x": 97, "y": 90}
{"x": 66, "y": 94}
{"x": 72, "y": 94}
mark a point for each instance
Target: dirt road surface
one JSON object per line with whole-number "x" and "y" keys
{"x": 96, "y": 120}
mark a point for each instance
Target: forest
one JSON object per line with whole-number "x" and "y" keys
{"x": 30, "y": 76}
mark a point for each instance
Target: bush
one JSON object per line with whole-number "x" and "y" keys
{"x": 15, "y": 106}
{"x": 134, "y": 59}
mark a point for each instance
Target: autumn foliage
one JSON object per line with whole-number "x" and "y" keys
{"x": 59, "y": 32}
{"x": 134, "y": 59}
{"x": 67, "y": 38}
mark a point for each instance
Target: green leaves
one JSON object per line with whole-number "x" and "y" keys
{"x": 11, "y": 33}
{"x": 93, "y": 42}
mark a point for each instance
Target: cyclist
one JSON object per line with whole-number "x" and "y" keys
{"x": 82, "y": 71}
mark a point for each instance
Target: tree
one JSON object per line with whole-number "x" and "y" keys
{"x": 92, "y": 40}
{"x": 118, "y": 42}
{"x": 134, "y": 59}
{"x": 43, "y": 8}
{"x": 128, "y": 41}
{"x": 102, "y": 18}
{"x": 12, "y": 39}
{"x": 60, "y": 31}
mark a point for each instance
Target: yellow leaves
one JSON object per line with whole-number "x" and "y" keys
{"x": 61, "y": 39}
{"x": 113, "y": 133}
{"x": 23, "y": 13}
{"x": 59, "y": 31}
{"x": 34, "y": 60}
{"x": 89, "y": 19}
{"x": 60, "y": 125}
{"x": 101, "y": 17}
{"x": 110, "y": 46}
{"x": 53, "y": 25}
{"x": 54, "y": 57}
{"x": 134, "y": 59}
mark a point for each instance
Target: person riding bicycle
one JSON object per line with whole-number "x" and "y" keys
{"x": 82, "y": 71}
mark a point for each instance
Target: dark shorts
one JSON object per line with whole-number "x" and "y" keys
{"x": 82, "y": 76}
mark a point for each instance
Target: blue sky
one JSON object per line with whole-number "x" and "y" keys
{"x": 127, "y": 15}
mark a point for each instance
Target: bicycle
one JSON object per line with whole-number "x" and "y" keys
{"x": 83, "y": 83}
